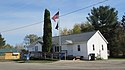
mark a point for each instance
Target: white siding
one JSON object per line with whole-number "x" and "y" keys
{"x": 82, "y": 52}
{"x": 97, "y": 41}
{"x": 86, "y": 48}
{"x": 69, "y": 49}
{"x": 39, "y": 47}
{"x": 33, "y": 47}
{"x": 73, "y": 49}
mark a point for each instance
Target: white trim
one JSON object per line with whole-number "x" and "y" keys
{"x": 102, "y": 36}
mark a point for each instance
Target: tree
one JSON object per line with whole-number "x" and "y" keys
{"x": 8, "y": 46}
{"x": 65, "y": 31}
{"x": 47, "y": 36}
{"x": 123, "y": 21}
{"x": 105, "y": 19}
{"x": 118, "y": 41}
{"x": 19, "y": 47}
{"x": 2, "y": 42}
{"x": 121, "y": 43}
{"x": 86, "y": 27}
{"x": 29, "y": 39}
{"x": 76, "y": 29}
{"x": 120, "y": 37}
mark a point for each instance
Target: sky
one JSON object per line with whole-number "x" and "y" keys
{"x": 19, "y": 13}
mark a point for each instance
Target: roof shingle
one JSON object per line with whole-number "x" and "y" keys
{"x": 75, "y": 38}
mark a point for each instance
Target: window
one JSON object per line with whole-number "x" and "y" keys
{"x": 14, "y": 54}
{"x": 93, "y": 47}
{"x": 78, "y": 47}
{"x": 102, "y": 47}
{"x": 56, "y": 48}
{"x": 36, "y": 48}
{"x": 33, "y": 48}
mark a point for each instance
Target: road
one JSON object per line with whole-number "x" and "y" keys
{"x": 66, "y": 65}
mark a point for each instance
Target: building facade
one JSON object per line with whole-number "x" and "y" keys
{"x": 86, "y": 45}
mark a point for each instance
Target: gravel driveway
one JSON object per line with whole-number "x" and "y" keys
{"x": 66, "y": 65}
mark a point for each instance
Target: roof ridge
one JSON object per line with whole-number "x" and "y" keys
{"x": 76, "y": 33}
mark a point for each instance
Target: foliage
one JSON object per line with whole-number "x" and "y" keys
{"x": 29, "y": 39}
{"x": 19, "y": 47}
{"x": 123, "y": 21}
{"x": 76, "y": 29}
{"x": 2, "y": 42}
{"x": 86, "y": 27}
{"x": 65, "y": 31}
{"x": 105, "y": 19}
{"x": 8, "y": 46}
{"x": 118, "y": 41}
{"x": 47, "y": 36}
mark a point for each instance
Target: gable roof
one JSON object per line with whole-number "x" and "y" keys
{"x": 75, "y": 38}
{"x": 102, "y": 36}
{"x": 8, "y": 50}
{"x": 34, "y": 43}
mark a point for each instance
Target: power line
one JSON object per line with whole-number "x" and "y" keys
{"x": 21, "y": 27}
{"x": 60, "y": 16}
{"x": 84, "y": 8}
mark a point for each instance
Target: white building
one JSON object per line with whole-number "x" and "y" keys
{"x": 35, "y": 47}
{"x": 87, "y": 45}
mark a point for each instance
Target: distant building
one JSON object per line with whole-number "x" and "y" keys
{"x": 87, "y": 45}
{"x": 9, "y": 53}
{"x": 36, "y": 46}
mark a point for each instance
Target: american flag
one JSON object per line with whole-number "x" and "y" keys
{"x": 56, "y": 16}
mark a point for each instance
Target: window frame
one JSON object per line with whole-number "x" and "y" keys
{"x": 102, "y": 47}
{"x": 78, "y": 48}
{"x": 93, "y": 47}
{"x": 56, "y": 48}
{"x": 36, "y": 48}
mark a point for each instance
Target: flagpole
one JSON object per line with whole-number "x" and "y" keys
{"x": 56, "y": 16}
{"x": 59, "y": 35}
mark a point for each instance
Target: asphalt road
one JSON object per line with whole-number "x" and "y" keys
{"x": 66, "y": 65}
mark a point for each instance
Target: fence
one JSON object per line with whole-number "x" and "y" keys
{"x": 44, "y": 55}
{"x": 2, "y": 57}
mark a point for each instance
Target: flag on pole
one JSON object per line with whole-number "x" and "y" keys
{"x": 57, "y": 26}
{"x": 56, "y": 16}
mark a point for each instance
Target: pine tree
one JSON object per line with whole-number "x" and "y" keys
{"x": 2, "y": 42}
{"x": 105, "y": 19}
{"x": 123, "y": 21}
{"x": 47, "y": 36}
